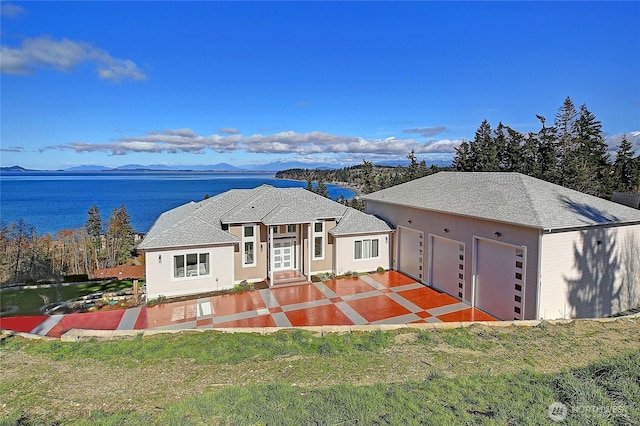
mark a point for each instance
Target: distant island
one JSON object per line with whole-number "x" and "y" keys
{"x": 272, "y": 167}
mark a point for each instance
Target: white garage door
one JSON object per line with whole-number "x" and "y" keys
{"x": 446, "y": 267}
{"x": 410, "y": 252}
{"x": 499, "y": 285}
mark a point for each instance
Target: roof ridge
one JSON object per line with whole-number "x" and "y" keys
{"x": 532, "y": 205}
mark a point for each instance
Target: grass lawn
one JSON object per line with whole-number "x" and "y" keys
{"x": 480, "y": 375}
{"x": 30, "y": 302}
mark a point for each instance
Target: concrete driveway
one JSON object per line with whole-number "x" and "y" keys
{"x": 385, "y": 298}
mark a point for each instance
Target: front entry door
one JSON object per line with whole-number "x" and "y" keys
{"x": 283, "y": 254}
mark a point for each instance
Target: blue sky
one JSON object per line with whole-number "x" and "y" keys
{"x": 191, "y": 83}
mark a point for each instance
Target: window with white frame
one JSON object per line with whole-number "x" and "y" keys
{"x": 292, "y": 228}
{"x": 249, "y": 245}
{"x": 318, "y": 240}
{"x": 365, "y": 249}
{"x": 191, "y": 265}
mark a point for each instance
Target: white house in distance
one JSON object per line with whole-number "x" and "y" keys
{"x": 514, "y": 246}
{"x": 281, "y": 235}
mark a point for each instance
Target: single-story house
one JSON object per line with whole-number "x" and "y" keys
{"x": 265, "y": 233}
{"x": 514, "y": 246}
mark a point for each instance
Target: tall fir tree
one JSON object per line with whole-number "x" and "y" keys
{"x": 462, "y": 158}
{"x": 592, "y": 157}
{"x": 626, "y": 170}
{"x": 93, "y": 227}
{"x": 483, "y": 151}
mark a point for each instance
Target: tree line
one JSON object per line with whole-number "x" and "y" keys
{"x": 27, "y": 256}
{"x": 571, "y": 152}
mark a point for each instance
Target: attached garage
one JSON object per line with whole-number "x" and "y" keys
{"x": 447, "y": 265}
{"x": 499, "y": 278}
{"x": 411, "y": 252}
{"x": 515, "y": 246}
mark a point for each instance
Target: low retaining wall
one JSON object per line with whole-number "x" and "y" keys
{"x": 77, "y": 335}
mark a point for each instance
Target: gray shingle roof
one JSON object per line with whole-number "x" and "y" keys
{"x": 357, "y": 222}
{"x": 506, "y": 197}
{"x": 201, "y": 223}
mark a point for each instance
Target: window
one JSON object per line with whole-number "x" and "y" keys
{"x": 275, "y": 229}
{"x": 366, "y": 249}
{"x": 249, "y": 246}
{"x": 191, "y": 265}
{"x": 292, "y": 228}
{"x": 318, "y": 240}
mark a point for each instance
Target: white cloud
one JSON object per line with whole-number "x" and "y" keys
{"x": 427, "y": 131}
{"x": 185, "y": 140}
{"x": 11, "y": 10}
{"x": 614, "y": 141}
{"x": 65, "y": 55}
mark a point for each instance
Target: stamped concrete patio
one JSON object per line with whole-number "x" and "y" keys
{"x": 385, "y": 298}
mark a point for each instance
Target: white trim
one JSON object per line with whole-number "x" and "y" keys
{"x": 320, "y": 234}
{"x": 362, "y": 253}
{"x": 184, "y": 266}
{"x": 253, "y": 239}
{"x": 474, "y": 275}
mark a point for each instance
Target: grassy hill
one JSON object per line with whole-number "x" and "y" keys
{"x": 479, "y": 375}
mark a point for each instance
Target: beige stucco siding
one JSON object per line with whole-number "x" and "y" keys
{"x": 250, "y": 273}
{"x": 464, "y": 229}
{"x": 324, "y": 264}
{"x": 345, "y": 254}
{"x": 590, "y": 273}
{"x": 160, "y": 272}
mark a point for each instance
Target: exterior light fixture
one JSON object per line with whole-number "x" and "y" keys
{"x": 446, "y": 229}
{"x": 409, "y": 221}
{"x": 498, "y": 234}
{"x": 159, "y": 258}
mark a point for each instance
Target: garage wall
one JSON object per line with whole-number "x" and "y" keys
{"x": 590, "y": 273}
{"x": 159, "y": 272}
{"x": 464, "y": 229}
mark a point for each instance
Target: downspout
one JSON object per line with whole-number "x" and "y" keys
{"x": 309, "y": 237}
{"x": 269, "y": 248}
{"x": 539, "y": 275}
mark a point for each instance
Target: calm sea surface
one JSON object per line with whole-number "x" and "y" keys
{"x": 53, "y": 201}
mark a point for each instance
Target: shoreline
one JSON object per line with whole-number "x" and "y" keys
{"x": 343, "y": 185}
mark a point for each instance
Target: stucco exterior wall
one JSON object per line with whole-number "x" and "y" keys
{"x": 464, "y": 229}
{"x": 345, "y": 255}
{"x": 590, "y": 273}
{"x": 326, "y": 263}
{"x": 160, "y": 272}
{"x": 250, "y": 273}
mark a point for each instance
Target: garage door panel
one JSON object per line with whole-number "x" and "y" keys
{"x": 411, "y": 252}
{"x": 447, "y": 266}
{"x": 499, "y": 279}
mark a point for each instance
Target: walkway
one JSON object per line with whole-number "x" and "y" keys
{"x": 387, "y": 298}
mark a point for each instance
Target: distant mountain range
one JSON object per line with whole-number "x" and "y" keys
{"x": 220, "y": 167}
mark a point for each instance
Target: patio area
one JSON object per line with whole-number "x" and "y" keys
{"x": 385, "y": 298}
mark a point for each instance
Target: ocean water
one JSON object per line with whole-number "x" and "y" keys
{"x": 53, "y": 201}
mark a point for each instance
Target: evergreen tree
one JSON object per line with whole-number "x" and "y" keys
{"x": 368, "y": 185}
{"x": 591, "y": 161}
{"x": 507, "y": 143}
{"x": 322, "y": 190}
{"x": 569, "y": 167}
{"x": 93, "y": 227}
{"x": 412, "y": 169}
{"x": 309, "y": 185}
{"x": 547, "y": 153}
{"x": 483, "y": 151}
{"x": 462, "y": 158}
{"x": 626, "y": 172}
{"x": 119, "y": 237}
